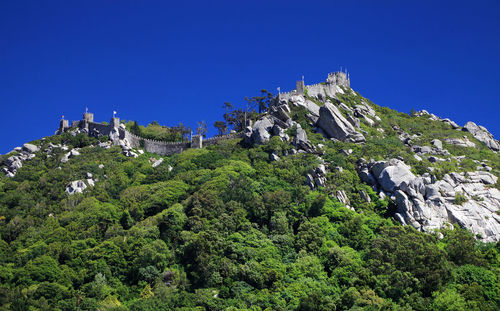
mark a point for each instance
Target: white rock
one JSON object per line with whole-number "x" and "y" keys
{"x": 30, "y": 148}
{"x": 158, "y": 162}
{"x": 76, "y": 186}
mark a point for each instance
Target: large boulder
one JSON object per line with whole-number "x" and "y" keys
{"x": 301, "y": 141}
{"x": 30, "y": 148}
{"x": 333, "y": 123}
{"x": 482, "y": 134}
{"x": 282, "y": 112}
{"x": 462, "y": 142}
{"x": 392, "y": 176}
{"x": 298, "y": 100}
{"x": 261, "y": 129}
{"x": 76, "y": 186}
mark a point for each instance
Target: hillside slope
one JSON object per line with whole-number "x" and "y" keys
{"x": 305, "y": 212}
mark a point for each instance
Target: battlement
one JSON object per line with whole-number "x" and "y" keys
{"x": 333, "y": 84}
{"x": 339, "y": 78}
{"x": 149, "y": 145}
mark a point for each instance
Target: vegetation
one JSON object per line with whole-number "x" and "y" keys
{"x": 156, "y": 131}
{"x": 228, "y": 229}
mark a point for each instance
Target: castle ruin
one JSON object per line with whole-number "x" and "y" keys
{"x": 117, "y": 132}
{"x": 335, "y": 81}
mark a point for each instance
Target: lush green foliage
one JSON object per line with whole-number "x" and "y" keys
{"x": 156, "y": 131}
{"x": 227, "y": 229}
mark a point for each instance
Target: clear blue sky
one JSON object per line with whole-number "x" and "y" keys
{"x": 178, "y": 62}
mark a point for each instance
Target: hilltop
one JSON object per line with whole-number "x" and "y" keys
{"x": 322, "y": 201}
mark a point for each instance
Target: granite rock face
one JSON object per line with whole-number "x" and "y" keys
{"x": 15, "y": 162}
{"x": 30, "y": 148}
{"x": 462, "y": 142}
{"x": 76, "y": 186}
{"x": 333, "y": 123}
{"x": 260, "y": 131}
{"x": 427, "y": 204}
{"x": 482, "y": 134}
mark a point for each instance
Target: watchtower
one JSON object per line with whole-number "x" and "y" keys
{"x": 88, "y": 117}
{"x": 63, "y": 125}
{"x": 339, "y": 78}
{"x": 300, "y": 87}
{"x": 115, "y": 122}
{"x": 196, "y": 141}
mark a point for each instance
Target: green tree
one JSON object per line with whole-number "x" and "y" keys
{"x": 221, "y": 127}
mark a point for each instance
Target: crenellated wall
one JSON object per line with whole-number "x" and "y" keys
{"x": 329, "y": 88}
{"x": 216, "y": 139}
{"x": 154, "y": 146}
{"x": 149, "y": 145}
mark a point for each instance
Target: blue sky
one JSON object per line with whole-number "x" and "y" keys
{"x": 178, "y": 62}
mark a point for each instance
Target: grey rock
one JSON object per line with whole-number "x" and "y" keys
{"x": 451, "y": 123}
{"x": 301, "y": 141}
{"x": 462, "y": 142}
{"x": 342, "y": 197}
{"x": 482, "y": 134}
{"x": 392, "y": 176}
{"x": 354, "y": 121}
{"x": 365, "y": 196}
{"x": 367, "y": 177}
{"x": 336, "y": 126}
{"x": 157, "y": 162}
{"x": 260, "y": 130}
{"x": 30, "y": 148}
{"x": 281, "y": 112}
{"x": 274, "y": 157}
{"x": 437, "y": 143}
{"x": 76, "y": 186}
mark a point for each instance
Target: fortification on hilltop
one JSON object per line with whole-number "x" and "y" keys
{"x": 121, "y": 136}
{"x": 335, "y": 81}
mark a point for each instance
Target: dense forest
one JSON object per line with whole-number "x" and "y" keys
{"x": 227, "y": 228}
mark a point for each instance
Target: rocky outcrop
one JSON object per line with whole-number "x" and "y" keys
{"x": 462, "y": 142}
{"x": 127, "y": 148}
{"x": 260, "y": 130}
{"x": 71, "y": 154}
{"x": 482, "y": 134}
{"x": 76, "y": 186}
{"x": 317, "y": 177}
{"x": 333, "y": 123}
{"x": 391, "y": 174}
{"x": 29, "y": 148}
{"x": 157, "y": 162}
{"x": 15, "y": 162}
{"x": 466, "y": 199}
{"x": 301, "y": 141}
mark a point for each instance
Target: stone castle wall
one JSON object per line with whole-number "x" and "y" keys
{"x": 319, "y": 90}
{"x": 216, "y": 139}
{"x": 149, "y": 145}
{"x": 154, "y": 146}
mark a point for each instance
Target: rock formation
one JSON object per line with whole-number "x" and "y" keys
{"x": 482, "y": 134}
{"x": 466, "y": 199}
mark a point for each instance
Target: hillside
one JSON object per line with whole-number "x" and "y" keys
{"x": 325, "y": 201}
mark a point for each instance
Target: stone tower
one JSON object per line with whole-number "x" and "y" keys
{"x": 63, "y": 125}
{"x": 115, "y": 122}
{"x": 88, "y": 117}
{"x": 196, "y": 141}
{"x": 300, "y": 87}
{"x": 339, "y": 78}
